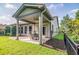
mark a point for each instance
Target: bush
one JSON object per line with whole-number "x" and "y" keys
{"x": 7, "y": 34}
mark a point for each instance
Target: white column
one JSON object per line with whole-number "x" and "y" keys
{"x": 40, "y": 28}
{"x": 32, "y": 28}
{"x": 23, "y": 29}
{"x": 17, "y": 29}
{"x": 27, "y": 29}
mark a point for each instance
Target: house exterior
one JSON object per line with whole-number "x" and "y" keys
{"x": 38, "y": 21}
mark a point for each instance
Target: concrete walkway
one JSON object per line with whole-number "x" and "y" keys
{"x": 26, "y": 39}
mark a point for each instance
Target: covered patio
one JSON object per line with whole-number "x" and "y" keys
{"x": 39, "y": 22}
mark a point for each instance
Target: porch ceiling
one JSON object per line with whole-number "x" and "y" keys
{"x": 31, "y": 18}
{"x": 34, "y": 19}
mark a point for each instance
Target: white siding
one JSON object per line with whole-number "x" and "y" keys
{"x": 54, "y": 26}
{"x": 47, "y": 29}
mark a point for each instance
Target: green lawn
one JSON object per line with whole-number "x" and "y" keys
{"x": 59, "y": 36}
{"x": 15, "y": 47}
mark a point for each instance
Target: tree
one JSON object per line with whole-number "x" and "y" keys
{"x": 77, "y": 15}
{"x": 7, "y": 30}
{"x": 13, "y": 30}
{"x": 64, "y": 22}
{"x": 66, "y": 17}
{"x": 71, "y": 26}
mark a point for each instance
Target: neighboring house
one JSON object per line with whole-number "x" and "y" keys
{"x": 2, "y": 29}
{"x": 38, "y": 21}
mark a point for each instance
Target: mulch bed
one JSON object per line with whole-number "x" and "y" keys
{"x": 55, "y": 44}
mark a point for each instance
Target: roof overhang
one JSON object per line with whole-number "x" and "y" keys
{"x": 40, "y": 7}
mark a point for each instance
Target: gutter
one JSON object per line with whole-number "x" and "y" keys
{"x": 44, "y": 15}
{"x": 43, "y": 11}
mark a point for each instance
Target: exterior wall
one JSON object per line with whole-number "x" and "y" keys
{"x": 27, "y": 29}
{"x": 47, "y": 25}
{"x": 35, "y": 28}
{"x": 48, "y": 32}
{"x": 54, "y": 26}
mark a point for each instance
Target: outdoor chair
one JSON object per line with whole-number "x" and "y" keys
{"x": 35, "y": 36}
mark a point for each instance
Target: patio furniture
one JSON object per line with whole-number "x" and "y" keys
{"x": 35, "y": 36}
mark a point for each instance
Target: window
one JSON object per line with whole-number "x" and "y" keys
{"x": 21, "y": 29}
{"x": 25, "y": 29}
{"x": 44, "y": 30}
{"x": 30, "y": 29}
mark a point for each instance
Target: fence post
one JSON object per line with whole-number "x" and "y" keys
{"x": 64, "y": 39}
{"x": 78, "y": 49}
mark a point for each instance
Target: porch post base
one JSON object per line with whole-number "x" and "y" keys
{"x": 17, "y": 38}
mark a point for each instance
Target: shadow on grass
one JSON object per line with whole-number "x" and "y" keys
{"x": 55, "y": 44}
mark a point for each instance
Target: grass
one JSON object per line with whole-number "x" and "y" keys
{"x": 15, "y": 47}
{"x": 59, "y": 36}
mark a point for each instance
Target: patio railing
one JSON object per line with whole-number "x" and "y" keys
{"x": 71, "y": 47}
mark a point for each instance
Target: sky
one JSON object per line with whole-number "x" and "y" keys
{"x": 60, "y": 10}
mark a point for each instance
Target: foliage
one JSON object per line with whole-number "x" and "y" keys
{"x": 14, "y": 47}
{"x": 1, "y": 33}
{"x": 13, "y": 30}
{"x": 7, "y": 30}
{"x": 64, "y": 22}
{"x": 77, "y": 15}
{"x": 10, "y": 28}
{"x": 74, "y": 28}
{"x": 71, "y": 26}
